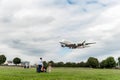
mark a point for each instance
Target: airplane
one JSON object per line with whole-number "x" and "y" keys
{"x": 73, "y": 45}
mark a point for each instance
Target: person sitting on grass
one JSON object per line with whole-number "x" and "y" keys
{"x": 44, "y": 69}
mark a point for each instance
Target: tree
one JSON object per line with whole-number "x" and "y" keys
{"x": 16, "y": 60}
{"x": 60, "y": 64}
{"x": 82, "y": 64}
{"x": 103, "y": 64}
{"x": 2, "y": 59}
{"x": 119, "y": 61}
{"x": 68, "y": 64}
{"x": 110, "y": 62}
{"x": 93, "y": 62}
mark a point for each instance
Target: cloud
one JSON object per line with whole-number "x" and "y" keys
{"x": 33, "y": 28}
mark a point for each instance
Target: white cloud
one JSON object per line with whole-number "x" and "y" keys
{"x": 33, "y": 28}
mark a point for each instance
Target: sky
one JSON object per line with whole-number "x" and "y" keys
{"x": 30, "y": 29}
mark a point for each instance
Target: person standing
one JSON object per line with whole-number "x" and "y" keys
{"x": 40, "y": 65}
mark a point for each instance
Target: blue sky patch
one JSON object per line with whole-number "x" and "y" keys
{"x": 91, "y": 2}
{"x": 71, "y": 2}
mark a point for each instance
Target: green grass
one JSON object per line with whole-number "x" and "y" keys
{"x": 15, "y": 73}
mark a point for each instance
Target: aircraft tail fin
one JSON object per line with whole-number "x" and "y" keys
{"x": 83, "y": 42}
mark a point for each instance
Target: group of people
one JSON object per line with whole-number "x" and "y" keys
{"x": 42, "y": 68}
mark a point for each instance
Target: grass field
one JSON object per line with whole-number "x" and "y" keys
{"x": 15, "y": 73}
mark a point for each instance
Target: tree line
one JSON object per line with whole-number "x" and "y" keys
{"x": 3, "y": 58}
{"x": 91, "y": 62}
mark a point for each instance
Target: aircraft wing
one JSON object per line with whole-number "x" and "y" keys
{"x": 89, "y": 43}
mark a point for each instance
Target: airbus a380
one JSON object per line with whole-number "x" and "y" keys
{"x": 74, "y": 45}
